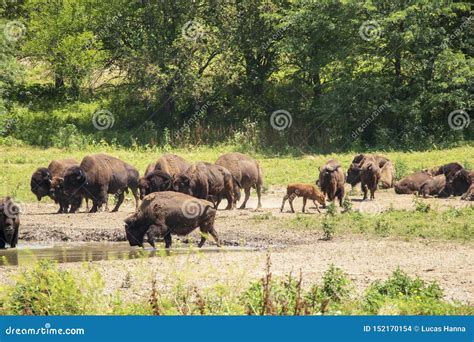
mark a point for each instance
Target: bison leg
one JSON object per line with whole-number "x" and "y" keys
{"x": 317, "y": 206}
{"x": 167, "y": 239}
{"x": 372, "y": 193}
{"x": 135, "y": 195}
{"x": 290, "y": 200}
{"x": 259, "y": 195}
{"x": 120, "y": 199}
{"x": 283, "y": 203}
{"x": 247, "y": 195}
{"x": 304, "y": 204}
{"x": 341, "y": 194}
{"x": 364, "y": 190}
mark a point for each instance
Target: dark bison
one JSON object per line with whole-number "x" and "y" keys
{"x": 387, "y": 171}
{"x": 331, "y": 180}
{"x": 99, "y": 175}
{"x": 307, "y": 191}
{"x": 369, "y": 176}
{"x": 411, "y": 184}
{"x": 434, "y": 186}
{"x": 449, "y": 170}
{"x": 169, "y": 165}
{"x": 469, "y": 195}
{"x": 41, "y": 185}
{"x": 207, "y": 181}
{"x": 459, "y": 183}
{"x": 9, "y": 222}
{"x": 162, "y": 214}
{"x": 246, "y": 172}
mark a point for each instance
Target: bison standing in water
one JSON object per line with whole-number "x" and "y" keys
{"x": 157, "y": 174}
{"x": 162, "y": 214}
{"x": 41, "y": 185}
{"x": 331, "y": 180}
{"x": 99, "y": 175}
{"x": 207, "y": 181}
{"x": 246, "y": 171}
{"x": 9, "y": 222}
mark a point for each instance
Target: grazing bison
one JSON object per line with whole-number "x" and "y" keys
{"x": 99, "y": 175}
{"x": 168, "y": 164}
{"x": 331, "y": 180}
{"x": 459, "y": 183}
{"x": 246, "y": 172}
{"x": 434, "y": 186}
{"x": 306, "y": 191}
{"x": 207, "y": 181}
{"x": 9, "y": 222}
{"x": 353, "y": 173}
{"x": 411, "y": 184}
{"x": 162, "y": 214}
{"x": 41, "y": 185}
{"x": 369, "y": 176}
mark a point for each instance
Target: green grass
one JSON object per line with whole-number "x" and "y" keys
{"x": 45, "y": 289}
{"x": 452, "y": 224}
{"x": 17, "y": 163}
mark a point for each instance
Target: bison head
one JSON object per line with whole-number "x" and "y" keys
{"x": 183, "y": 184}
{"x": 458, "y": 183}
{"x": 40, "y": 182}
{"x": 136, "y": 227}
{"x": 353, "y": 174}
{"x": 74, "y": 179}
{"x": 57, "y": 187}
{"x": 8, "y": 217}
{"x": 155, "y": 182}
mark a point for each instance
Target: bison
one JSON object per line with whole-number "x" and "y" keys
{"x": 411, "y": 184}
{"x": 168, "y": 164}
{"x": 246, "y": 171}
{"x": 9, "y": 222}
{"x": 387, "y": 170}
{"x": 469, "y": 195}
{"x": 369, "y": 176}
{"x": 448, "y": 170}
{"x": 306, "y": 191}
{"x": 331, "y": 180}
{"x": 434, "y": 186}
{"x": 459, "y": 183}
{"x": 99, "y": 175}
{"x": 162, "y": 214}
{"x": 207, "y": 181}
{"x": 41, "y": 185}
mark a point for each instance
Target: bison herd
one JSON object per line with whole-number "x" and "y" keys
{"x": 178, "y": 197}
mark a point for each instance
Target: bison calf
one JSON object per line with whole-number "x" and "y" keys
{"x": 162, "y": 214}
{"x": 306, "y": 191}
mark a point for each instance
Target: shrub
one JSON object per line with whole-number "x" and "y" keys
{"x": 335, "y": 286}
{"x": 328, "y": 229}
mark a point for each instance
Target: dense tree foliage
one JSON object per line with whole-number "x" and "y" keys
{"x": 344, "y": 73}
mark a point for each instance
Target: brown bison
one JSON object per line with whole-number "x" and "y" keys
{"x": 369, "y": 176}
{"x": 306, "y": 191}
{"x": 434, "y": 186}
{"x": 168, "y": 164}
{"x": 41, "y": 185}
{"x": 207, "y": 181}
{"x": 459, "y": 183}
{"x": 387, "y": 173}
{"x": 448, "y": 170}
{"x": 99, "y": 175}
{"x": 246, "y": 171}
{"x": 331, "y": 180}
{"x": 162, "y": 214}
{"x": 9, "y": 222}
{"x": 411, "y": 184}
{"x": 469, "y": 195}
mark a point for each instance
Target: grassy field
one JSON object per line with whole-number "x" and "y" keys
{"x": 18, "y": 163}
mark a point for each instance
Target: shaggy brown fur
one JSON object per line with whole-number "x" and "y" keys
{"x": 307, "y": 191}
